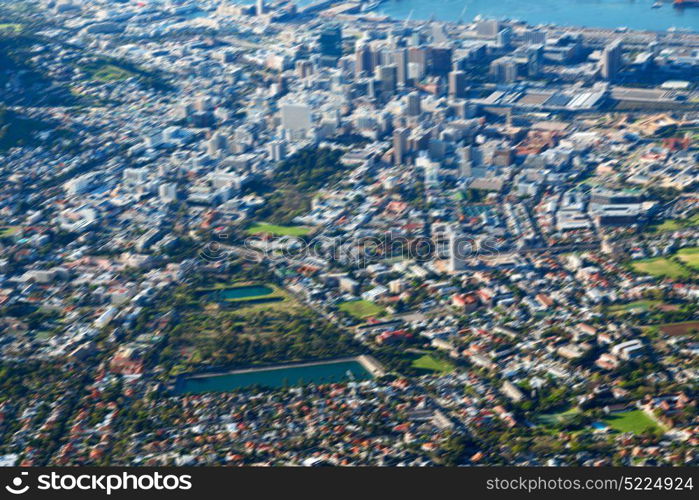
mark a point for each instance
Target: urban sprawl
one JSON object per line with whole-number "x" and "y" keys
{"x": 493, "y": 225}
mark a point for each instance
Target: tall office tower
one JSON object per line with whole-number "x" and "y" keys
{"x": 296, "y": 119}
{"x": 504, "y": 70}
{"x": 464, "y": 161}
{"x": 260, "y": 7}
{"x": 504, "y": 37}
{"x": 330, "y": 41}
{"x": 459, "y": 250}
{"x": 535, "y": 55}
{"x": 277, "y": 150}
{"x": 400, "y": 57}
{"x": 415, "y": 71}
{"x": 419, "y": 55}
{"x": 533, "y": 36}
{"x": 387, "y": 75}
{"x": 488, "y": 27}
{"x": 168, "y": 192}
{"x": 439, "y": 60}
{"x": 363, "y": 64}
{"x": 610, "y": 64}
{"x": 304, "y": 68}
{"x": 439, "y": 35}
{"x": 413, "y": 107}
{"x": 457, "y": 84}
{"x": 400, "y": 145}
{"x": 430, "y": 169}
{"x": 217, "y": 145}
{"x": 414, "y": 39}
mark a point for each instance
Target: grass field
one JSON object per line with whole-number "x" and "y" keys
{"x": 558, "y": 418}
{"x": 631, "y": 421}
{"x": 660, "y": 267}
{"x": 14, "y": 27}
{"x": 643, "y": 305}
{"x": 667, "y": 225}
{"x": 675, "y": 224}
{"x": 276, "y": 230}
{"x": 432, "y": 364}
{"x": 105, "y": 72}
{"x": 690, "y": 257}
{"x": 6, "y": 231}
{"x": 362, "y": 309}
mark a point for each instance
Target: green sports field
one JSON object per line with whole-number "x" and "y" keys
{"x": 362, "y": 309}
{"x": 260, "y": 228}
{"x": 635, "y": 421}
{"x": 661, "y": 267}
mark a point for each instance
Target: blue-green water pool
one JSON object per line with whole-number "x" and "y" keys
{"x": 287, "y": 376}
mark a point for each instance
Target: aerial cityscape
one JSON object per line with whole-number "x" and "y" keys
{"x": 349, "y": 233}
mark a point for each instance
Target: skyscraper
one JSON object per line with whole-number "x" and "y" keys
{"x": 439, "y": 60}
{"x": 260, "y": 7}
{"x": 330, "y": 41}
{"x": 277, "y": 150}
{"x": 362, "y": 59}
{"x": 459, "y": 250}
{"x": 610, "y": 64}
{"x": 401, "y": 60}
{"x": 400, "y": 145}
{"x": 504, "y": 69}
{"x": 457, "y": 84}
{"x": 413, "y": 107}
{"x": 296, "y": 119}
{"x": 387, "y": 75}
{"x": 535, "y": 54}
{"x": 504, "y": 37}
{"x": 488, "y": 27}
{"x": 419, "y": 56}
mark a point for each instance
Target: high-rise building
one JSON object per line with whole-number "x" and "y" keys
{"x": 533, "y": 36}
{"x": 419, "y": 55}
{"x": 168, "y": 192}
{"x": 388, "y": 76}
{"x": 504, "y": 70}
{"x": 400, "y": 145}
{"x": 304, "y": 68}
{"x": 415, "y": 71}
{"x": 488, "y": 27}
{"x": 260, "y": 7}
{"x": 535, "y": 56}
{"x": 457, "y": 84}
{"x": 464, "y": 161}
{"x": 504, "y": 37}
{"x": 459, "y": 250}
{"x": 330, "y": 41}
{"x": 296, "y": 119}
{"x": 217, "y": 145}
{"x": 610, "y": 63}
{"x": 413, "y": 107}
{"x": 363, "y": 61}
{"x": 400, "y": 58}
{"x": 439, "y": 60}
{"x": 277, "y": 150}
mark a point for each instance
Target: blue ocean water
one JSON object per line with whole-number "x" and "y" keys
{"x": 633, "y": 14}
